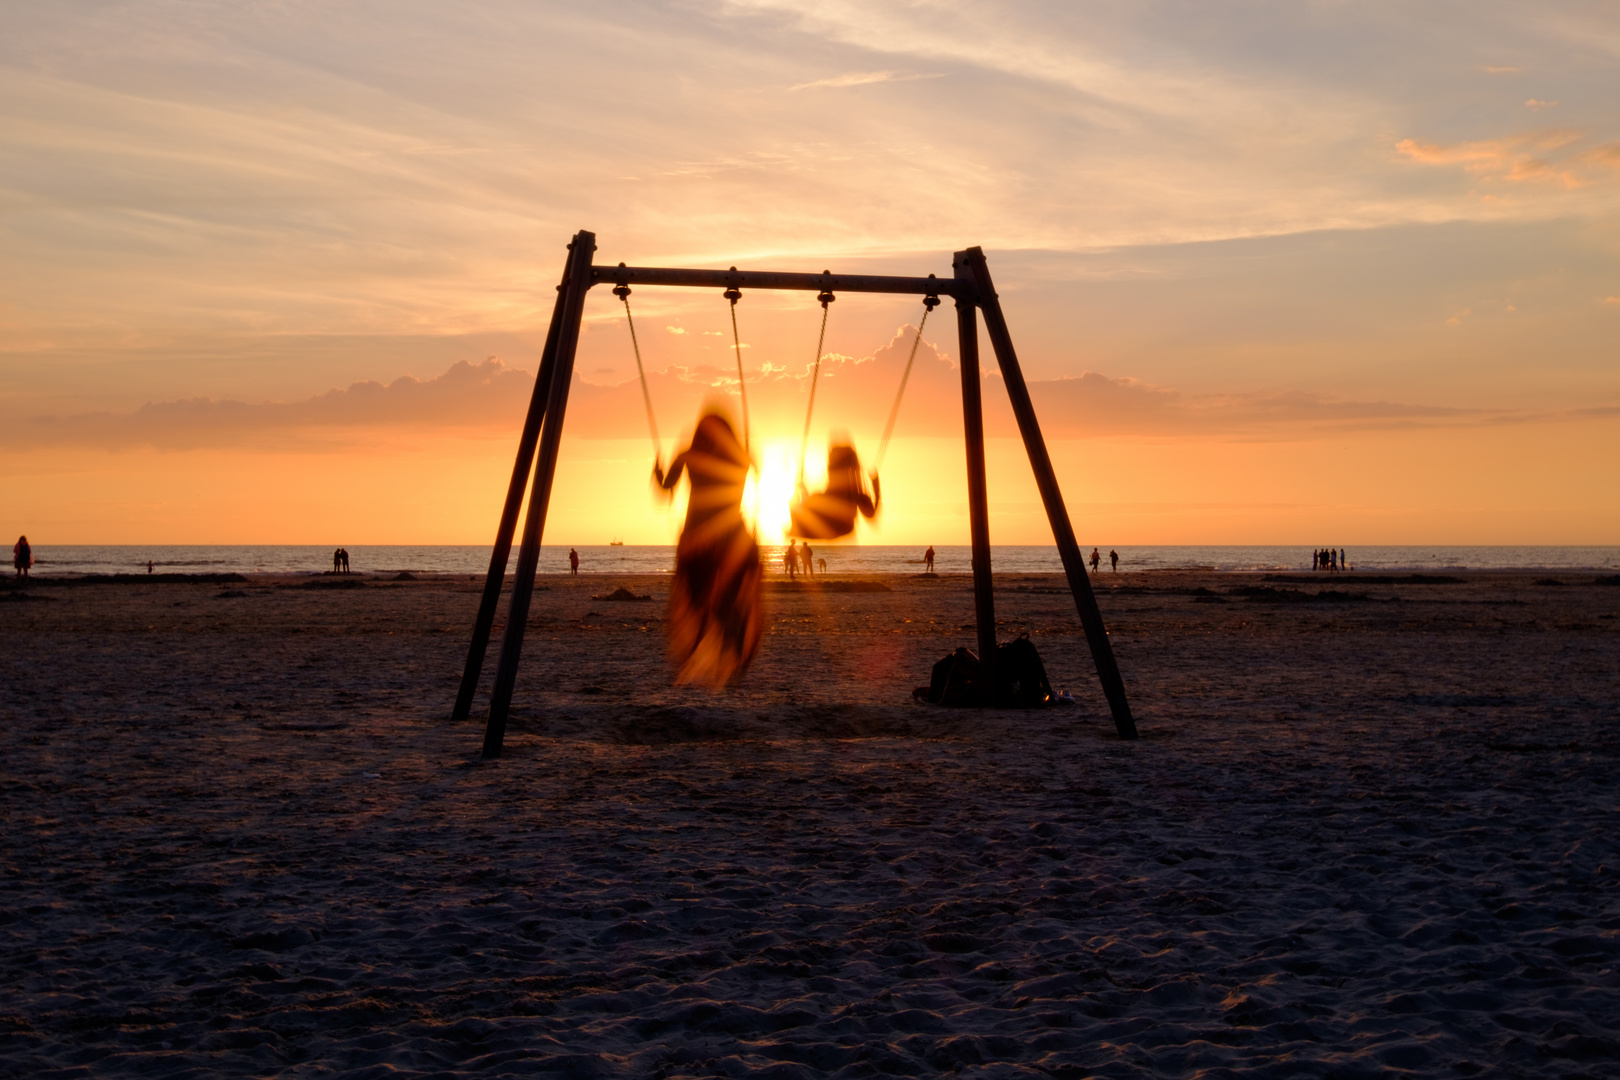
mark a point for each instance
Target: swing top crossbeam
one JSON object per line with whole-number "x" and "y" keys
{"x": 752, "y": 279}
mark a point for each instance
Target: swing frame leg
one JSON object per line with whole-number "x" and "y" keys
{"x": 984, "y": 600}
{"x": 496, "y": 578}
{"x": 571, "y": 310}
{"x": 1102, "y": 651}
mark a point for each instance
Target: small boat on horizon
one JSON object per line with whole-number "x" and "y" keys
{"x": 615, "y": 543}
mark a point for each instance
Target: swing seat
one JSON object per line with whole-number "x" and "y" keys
{"x": 823, "y": 516}
{"x": 830, "y": 514}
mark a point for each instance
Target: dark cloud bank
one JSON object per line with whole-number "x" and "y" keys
{"x": 854, "y": 393}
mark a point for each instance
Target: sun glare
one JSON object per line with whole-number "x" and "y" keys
{"x": 769, "y": 493}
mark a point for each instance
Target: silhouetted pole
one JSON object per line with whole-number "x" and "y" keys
{"x": 1102, "y": 651}
{"x": 577, "y": 283}
{"x": 509, "y": 515}
{"x": 984, "y": 603}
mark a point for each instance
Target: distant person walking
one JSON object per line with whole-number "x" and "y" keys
{"x": 1096, "y": 560}
{"x": 928, "y": 560}
{"x": 22, "y": 556}
{"x": 573, "y": 561}
{"x": 1113, "y": 558}
{"x": 345, "y": 553}
{"x": 1342, "y": 564}
{"x": 148, "y": 566}
{"x": 808, "y": 556}
{"x": 790, "y": 559}
{"x": 337, "y": 560}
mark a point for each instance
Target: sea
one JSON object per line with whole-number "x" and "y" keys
{"x": 607, "y": 560}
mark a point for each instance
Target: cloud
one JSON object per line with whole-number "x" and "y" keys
{"x": 860, "y": 78}
{"x": 1607, "y": 154}
{"x": 467, "y": 395}
{"x": 676, "y": 329}
{"x": 854, "y": 393}
{"x": 1489, "y": 70}
{"x": 1532, "y": 103}
{"x": 1513, "y": 158}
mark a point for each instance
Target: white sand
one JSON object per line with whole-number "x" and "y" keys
{"x": 1362, "y": 838}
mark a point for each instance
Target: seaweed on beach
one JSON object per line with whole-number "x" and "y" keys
{"x": 621, "y": 595}
{"x": 1267, "y": 594}
{"x": 1370, "y": 579}
{"x": 829, "y": 586}
{"x": 140, "y": 579}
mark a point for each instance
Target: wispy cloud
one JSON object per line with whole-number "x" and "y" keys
{"x": 1535, "y": 103}
{"x": 1540, "y": 155}
{"x": 861, "y": 78}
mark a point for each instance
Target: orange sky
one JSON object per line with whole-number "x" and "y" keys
{"x": 281, "y": 275}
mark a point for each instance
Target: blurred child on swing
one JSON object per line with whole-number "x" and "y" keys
{"x": 830, "y": 513}
{"x": 713, "y": 623}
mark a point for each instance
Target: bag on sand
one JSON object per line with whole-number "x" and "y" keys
{"x": 958, "y": 679}
{"x": 955, "y": 681}
{"x": 1022, "y": 675}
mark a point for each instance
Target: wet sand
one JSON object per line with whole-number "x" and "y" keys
{"x": 1364, "y": 834}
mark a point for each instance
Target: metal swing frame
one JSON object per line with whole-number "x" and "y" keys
{"x": 970, "y": 286}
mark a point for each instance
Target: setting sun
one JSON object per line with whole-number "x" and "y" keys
{"x": 770, "y": 490}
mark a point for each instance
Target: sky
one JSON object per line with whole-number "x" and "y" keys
{"x": 1303, "y": 272}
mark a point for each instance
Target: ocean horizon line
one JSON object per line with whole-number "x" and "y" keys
{"x": 607, "y": 559}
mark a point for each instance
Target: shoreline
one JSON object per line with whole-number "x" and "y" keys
{"x": 1382, "y": 576}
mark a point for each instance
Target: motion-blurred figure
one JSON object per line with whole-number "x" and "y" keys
{"x": 714, "y": 623}
{"x": 928, "y": 560}
{"x": 831, "y": 513}
{"x": 22, "y": 556}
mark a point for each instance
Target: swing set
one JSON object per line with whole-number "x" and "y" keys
{"x": 825, "y": 297}
{"x": 970, "y": 286}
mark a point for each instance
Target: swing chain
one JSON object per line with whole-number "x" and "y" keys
{"x": 734, "y": 294}
{"x": 826, "y": 297}
{"x": 622, "y": 291}
{"x": 930, "y": 302}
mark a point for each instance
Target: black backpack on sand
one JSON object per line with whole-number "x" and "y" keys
{"x": 1022, "y": 676}
{"x": 958, "y": 679}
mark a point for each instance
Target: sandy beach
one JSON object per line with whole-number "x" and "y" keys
{"x": 1370, "y": 830}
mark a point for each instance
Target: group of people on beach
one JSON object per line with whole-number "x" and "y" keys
{"x": 340, "y": 561}
{"x": 1096, "y": 560}
{"x": 22, "y": 556}
{"x": 1329, "y": 560}
{"x": 796, "y": 558}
